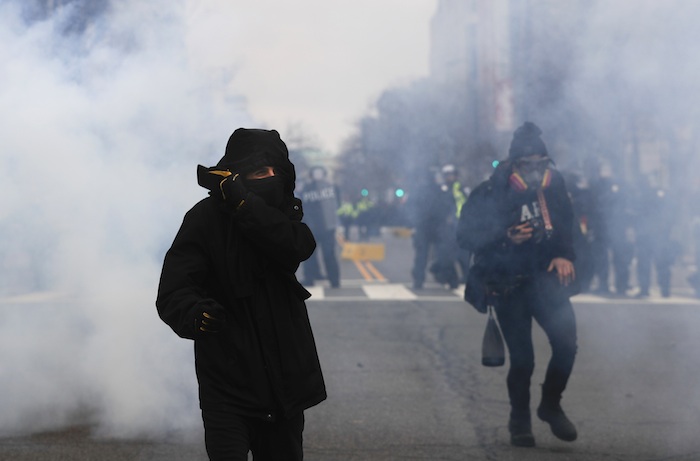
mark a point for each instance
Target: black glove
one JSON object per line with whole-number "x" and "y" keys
{"x": 209, "y": 317}
{"x": 233, "y": 191}
{"x": 223, "y": 183}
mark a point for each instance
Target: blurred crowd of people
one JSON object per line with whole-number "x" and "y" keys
{"x": 623, "y": 233}
{"x": 433, "y": 212}
{"x": 326, "y": 210}
{"x": 623, "y": 236}
{"x": 623, "y": 230}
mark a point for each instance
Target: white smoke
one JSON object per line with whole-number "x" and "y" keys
{"x": 636, "y": 73}
{"x": 101, "y": 133}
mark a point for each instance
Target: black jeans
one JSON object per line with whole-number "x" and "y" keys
{"x": 229, "y": 437}
{"x": 423, "y": 241}
{"x": 515, "y": 314}
{"x": 650, "y": 251}
{"x": 325, "y": 241}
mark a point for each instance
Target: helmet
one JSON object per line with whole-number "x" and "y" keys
{"x": 449, "y": 169}
{"x": 317, "y": 173}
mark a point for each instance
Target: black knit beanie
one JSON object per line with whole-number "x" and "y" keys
{"x": 251, "y": 148}
{"x": 526, "y": 141}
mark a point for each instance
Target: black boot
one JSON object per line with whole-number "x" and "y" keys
{"x": 521, "y": 432}
{"x": 550, "y": 412}
{"x": 519, "y": 424}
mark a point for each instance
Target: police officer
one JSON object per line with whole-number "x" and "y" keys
{"x": 321, "y": 202}
{"x": 346, "y": 214}
{"x": 427, "y": 213}
{"x": 653, "y": 238}
{"x": 448, "y": 254}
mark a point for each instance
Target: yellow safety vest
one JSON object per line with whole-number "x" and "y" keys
{"x": 460, "y": 198}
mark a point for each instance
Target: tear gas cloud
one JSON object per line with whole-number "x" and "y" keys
{"x": 634, "y": 80}
{"x": 631, "y": 79}
{"x": 630, "y": 83}
{"x": 101, "y": 135}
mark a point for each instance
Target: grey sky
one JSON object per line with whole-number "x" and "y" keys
{"x": 316, "y": 63}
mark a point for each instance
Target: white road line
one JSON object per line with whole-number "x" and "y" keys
{"x": 317, "y": 293}
{"x": 593, "y": 299}
{"x": 400, "y": 292}
{"x": 393, "y": 291}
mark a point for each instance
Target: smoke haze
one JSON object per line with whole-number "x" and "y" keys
{"x": 101, "y": 135}
{"x": 631, "y": 83}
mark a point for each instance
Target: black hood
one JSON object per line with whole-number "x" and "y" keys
{"x": 249, "y": 149}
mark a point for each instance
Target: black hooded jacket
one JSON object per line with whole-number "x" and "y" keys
{"x": 494, "y": 206}
{"x": 264, "y": 363}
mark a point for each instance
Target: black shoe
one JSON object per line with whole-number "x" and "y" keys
{"x": 561, "y": 426}
{"x": 521, "y": 433}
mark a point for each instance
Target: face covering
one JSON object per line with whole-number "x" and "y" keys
{"x": 530, "y": 180}
{"x": 533, "y": 179}
{"x": 269, "y": 189}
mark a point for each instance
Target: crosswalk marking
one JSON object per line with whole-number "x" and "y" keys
{"x": 389, "y": 291}
{"x": 317, "y": 292}
{"x": 593, "y": 299}
{"x": 369, "y": 291}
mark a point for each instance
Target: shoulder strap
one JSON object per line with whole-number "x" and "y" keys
{"x": 545, "y": 213}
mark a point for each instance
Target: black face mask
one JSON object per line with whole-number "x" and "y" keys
{"x": 269, "y": 189}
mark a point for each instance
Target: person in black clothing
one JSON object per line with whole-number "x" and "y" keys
{"x": 620, "y": 223}
{"x": 322, "y": 202}
{"x": 518, "y": 223}
{"x": 582, "y": 237}
{"x": 694, "y": 214}
{"x": 602, "y": 190}
{"x": 428, "y": 216}
{"x": 654, "y": 245}
{"x": 228, "y": 283}
{"x": 448, "y": 256}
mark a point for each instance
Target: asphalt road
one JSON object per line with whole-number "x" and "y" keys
{"x": 405, "y": 383}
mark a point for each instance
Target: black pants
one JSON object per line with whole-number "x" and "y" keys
{"x": 515, "y": 315}
{"x": 651, "y": 251}
{"x": 423, "y": 241}
{"x": 229, "y": 437}
{"x": 325, "y": 241}
{"x": 600, "y": 264}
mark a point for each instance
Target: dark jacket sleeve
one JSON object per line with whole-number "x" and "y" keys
{"x": 185, "y": 274}
{"x": 279, "y": 235}
{"x": 481, "y": 225}
{"x": 562, "y": 215}
{"x": 484, "y": 222}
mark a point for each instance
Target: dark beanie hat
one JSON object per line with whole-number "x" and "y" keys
{"x": 251, "y": 148}
{"x": 526, "y": 141}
